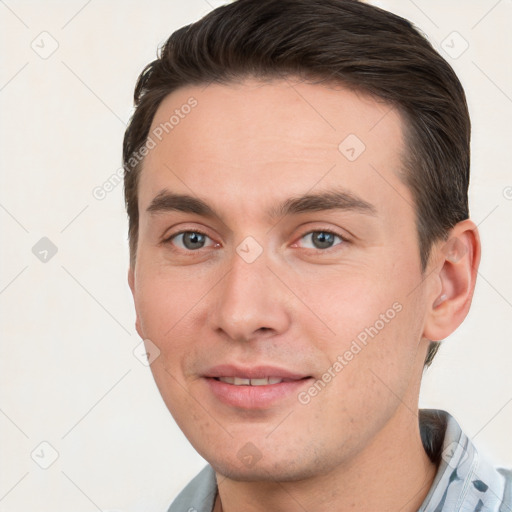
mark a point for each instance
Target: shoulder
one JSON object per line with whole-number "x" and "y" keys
{"x": 466, "y": 480}
{"x": 198, "y": 495}
{"x": 507, "y": 495}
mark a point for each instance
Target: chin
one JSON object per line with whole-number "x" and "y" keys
{"x": 266, "y": 470}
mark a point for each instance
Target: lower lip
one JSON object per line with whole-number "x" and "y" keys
{"x": 254, "y": 397}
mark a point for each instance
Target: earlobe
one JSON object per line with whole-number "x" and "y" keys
{"x": 457, "y": 264}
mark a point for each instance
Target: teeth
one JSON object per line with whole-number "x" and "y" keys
{"x": 227, "y": 380}
{"x": 259, "y": 382}
{"x": 240, "y": 381}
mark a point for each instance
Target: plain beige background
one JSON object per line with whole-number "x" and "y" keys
{"x": 70, "y": 378}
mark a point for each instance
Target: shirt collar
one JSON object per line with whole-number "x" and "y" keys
{"x": 464, "y": 480}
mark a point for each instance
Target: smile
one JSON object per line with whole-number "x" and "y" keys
{"x": 255, "y": 387}
{"x": 241, "y": 381}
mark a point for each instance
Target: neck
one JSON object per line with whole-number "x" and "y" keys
{"x": 392, "y": 473}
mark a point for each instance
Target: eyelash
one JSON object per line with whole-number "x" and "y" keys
{"x": 169, "y": 239}
{"x": 329, "y": 231}
{"x": 344, "y": 240}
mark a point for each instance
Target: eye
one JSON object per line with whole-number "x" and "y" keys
{"x": 189, "y": 240}
{"x": 322, "y": 239}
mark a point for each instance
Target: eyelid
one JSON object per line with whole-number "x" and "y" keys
{"x": 168, "y": 239}
{"x": 343, "y": 238}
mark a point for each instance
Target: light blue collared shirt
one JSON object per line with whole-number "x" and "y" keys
{"x": 464, "y": 482}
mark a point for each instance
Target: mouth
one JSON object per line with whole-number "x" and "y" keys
{"x": 254, "y": 388}
{"x": 242, "y": 381}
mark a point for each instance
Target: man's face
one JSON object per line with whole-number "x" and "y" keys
{"x": 258, "y": 290}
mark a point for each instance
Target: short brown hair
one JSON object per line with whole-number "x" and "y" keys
{"x": 348, "y": 42}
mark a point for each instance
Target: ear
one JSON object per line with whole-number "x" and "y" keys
{"x": 131, "y": 283}
{"x": 454, "y": 278}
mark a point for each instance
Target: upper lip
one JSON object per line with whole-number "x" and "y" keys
{"x": 252, "y": 372}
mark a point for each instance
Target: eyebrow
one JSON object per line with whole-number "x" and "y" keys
{"x": 336, "y": 199}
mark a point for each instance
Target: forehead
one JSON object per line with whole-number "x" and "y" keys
{"x": 271, "y": 139}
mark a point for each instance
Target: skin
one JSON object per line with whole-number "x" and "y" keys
{"x": 245, "y": 148}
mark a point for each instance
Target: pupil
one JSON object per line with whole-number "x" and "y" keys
{"x": 193, "y": 240}
{"x": 323, "y": 240}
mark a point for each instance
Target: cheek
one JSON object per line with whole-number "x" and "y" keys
{"x": 358, "y": 308}
{"x": 347, "y": 301}
{"x": 154, "y": 307}
{"x": 171, "y": 311}
{"x": 375, "y": 322}
{"x": 162, "y": 301}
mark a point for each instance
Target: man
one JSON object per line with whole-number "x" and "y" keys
{"x": 296, "y": 176}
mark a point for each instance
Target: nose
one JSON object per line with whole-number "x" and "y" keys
{"x": 250, "y": 302}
